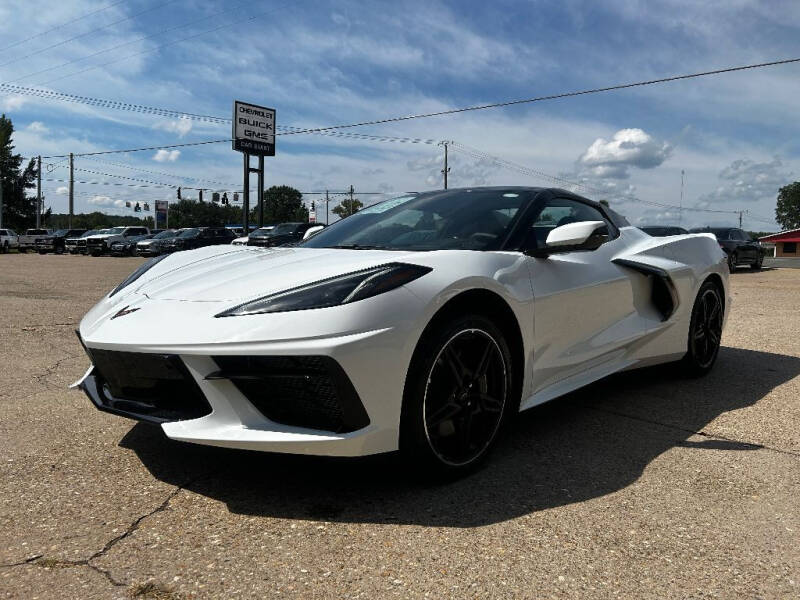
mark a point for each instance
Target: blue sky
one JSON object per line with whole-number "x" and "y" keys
{"x": 336, "y": 61}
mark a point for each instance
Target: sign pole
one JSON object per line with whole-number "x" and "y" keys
{"x": 246, "y": 195}
{"x": 260, "y": 191}
{"x": 71, "y": 190}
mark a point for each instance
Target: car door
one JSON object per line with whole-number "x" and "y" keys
{"x": 585, "y": 306}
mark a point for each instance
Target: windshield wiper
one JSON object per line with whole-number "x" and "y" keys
{"x": 358, "y": 247}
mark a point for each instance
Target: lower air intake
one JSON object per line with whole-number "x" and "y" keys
{"x": 303, "y": 391}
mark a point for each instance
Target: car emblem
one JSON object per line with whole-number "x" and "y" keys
{"x": 123, "y": 311}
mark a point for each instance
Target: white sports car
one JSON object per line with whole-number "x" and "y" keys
{"x": 418, "y": 324}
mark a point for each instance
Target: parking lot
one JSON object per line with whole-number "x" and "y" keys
{"x": 642, "y": 486}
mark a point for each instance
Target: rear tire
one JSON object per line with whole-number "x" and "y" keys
{"x": 458, "y": 390}
{"x": 5, "y": 248}
{"x": 732, "y": 262}
{"x": 705, "y": 331}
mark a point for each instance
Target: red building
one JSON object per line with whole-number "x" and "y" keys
{"x": 786, "y": 243}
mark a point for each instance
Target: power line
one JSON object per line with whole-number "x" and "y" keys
{"x": 122, "y": 45}
{"x": 557, "y": 96}
{"x": 77, "y": 37}
{"x": 45, "y": 32}
{"x": 172, "y": 43}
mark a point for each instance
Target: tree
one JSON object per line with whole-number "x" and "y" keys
{"x": 347, "y": 207}
{"x": 281, "y": 204}
{"x": 787, "y": 211}
{"x": 604, "y": 203}
{"x": 19, "y": 209}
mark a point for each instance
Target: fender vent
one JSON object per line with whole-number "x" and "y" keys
{"x": 664, "y": 295}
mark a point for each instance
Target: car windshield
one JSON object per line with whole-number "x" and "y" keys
{"x": 284, "y": 229}
{"x": 165, "y": 234}
{"x": 189, "y": 233}
{"x": 263, "y": 232}
{"x": 61, "y": 232}
{"x": 452, "y": 219}
{"x": 114, "y": 230}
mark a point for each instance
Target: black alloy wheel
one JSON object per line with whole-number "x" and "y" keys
{"x": 705, "y": 330}
{"x": 456, "y": 396}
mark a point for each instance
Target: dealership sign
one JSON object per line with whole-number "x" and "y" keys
{"x": 253, "y": 129}
{"x": 161, "y": 214}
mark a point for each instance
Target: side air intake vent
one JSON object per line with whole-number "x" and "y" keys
{"x": 664, "y": 294}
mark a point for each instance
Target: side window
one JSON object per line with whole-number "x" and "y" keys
{"x": 562, "y": 211}
{"x": 207, "y": 233}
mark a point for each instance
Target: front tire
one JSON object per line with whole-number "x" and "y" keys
{"x": 732, "y": 262}
{"x": 705, "y": 331}
{"x": 458, "y": 390}
{"x": 756, "y": 266}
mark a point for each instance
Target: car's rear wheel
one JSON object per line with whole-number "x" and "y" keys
{"x": 458, "y": 389}
{"x": 705, "y": 330}
{"x": 5, "y": 248}
{"x": 732, "y": 262}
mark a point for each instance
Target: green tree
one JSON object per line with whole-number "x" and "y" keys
{"x": 604, "y": 203}
{"x": 192, "y": 213}
{"x": 787, "y": 211}
{"x": 347, "y": 207}
{"x": 282, "y": 203}
{"x": 19, "y": 209}
{"x": 94, "y": 220}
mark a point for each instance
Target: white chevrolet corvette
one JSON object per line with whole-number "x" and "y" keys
{"x": 419, "y": 324}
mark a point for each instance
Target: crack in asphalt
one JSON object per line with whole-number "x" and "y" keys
{"x": 693, "y": 432}
{"x": 87, "y": 562}
{"x": 52, "y": 369}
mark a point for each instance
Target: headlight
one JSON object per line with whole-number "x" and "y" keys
{"x": 333, "y": 292}
{"x": 138, "y": 273}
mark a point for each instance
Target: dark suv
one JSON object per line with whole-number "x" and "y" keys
{"x": 56, "y": 242}
{"x": 198, "y": 237}
{"x": 741, "y": 250}
{"x": 285, "y": 233}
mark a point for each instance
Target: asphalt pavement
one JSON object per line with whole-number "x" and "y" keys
{"x": 646, "y": 485}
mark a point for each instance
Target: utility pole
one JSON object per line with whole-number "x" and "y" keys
{"x": 446, "y": 169}
{"x": 740, "y": 218}
{"x": 38, "y": 192}
{"x": 326, "y": 206}
{"x": 351, "y": 200}
{"x": 680, "y": 209}
{"x": 1, "y": 194}
{"x": 71, "y": 190}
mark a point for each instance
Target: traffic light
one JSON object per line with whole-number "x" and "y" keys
{"x": 225, "y": 197}
{"x": 146, "y": 207}
{"x": 236, "y": 197}
{"x": 137, "y": 208}
{"x": 215, "y": 197}
{"x": 179, "y": 193}
{"x": 201, "y": 195}
{"x": 127, "y": 205}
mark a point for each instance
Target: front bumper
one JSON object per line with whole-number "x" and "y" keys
{"x": 372, "y": 362}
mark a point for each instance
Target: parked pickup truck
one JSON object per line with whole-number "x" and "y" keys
{"x": 78, "y": 245}
{"x": 101, "y": 243}
{"x": 8, "y": 240}
{"x": 56, "y": 242}
{"x": 28, "y": 240}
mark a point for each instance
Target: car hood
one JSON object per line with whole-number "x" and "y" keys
{"x": 237, "y": 273}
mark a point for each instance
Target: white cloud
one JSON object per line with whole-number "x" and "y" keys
{"x": 13, "y": 102}
{"x": 748, "y": 181}
{"x": 37, "y": 127}
{"x": 166, "y": 155}
{"x": 106, "y": 201}
{"x": 627, "y": 148}
{"x": 62, "y": 190}
{"x": 180, "y": 126}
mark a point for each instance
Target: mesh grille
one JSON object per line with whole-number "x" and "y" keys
{"x": 303, "y": 391}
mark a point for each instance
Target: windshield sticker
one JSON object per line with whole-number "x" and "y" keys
{"x": 384, "y": 206}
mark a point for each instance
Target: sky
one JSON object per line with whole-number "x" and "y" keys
{"x": 735, "y": 137}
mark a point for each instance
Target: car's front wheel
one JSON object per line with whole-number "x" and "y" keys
{"x": 705, "y": 330}
{"x": 458, "y": 389}
{"x": 756, "y": 266}
{"x": 732, "y": 262}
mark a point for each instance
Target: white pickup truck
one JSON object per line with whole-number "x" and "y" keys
{"x": 8, "y": 240}
{"x": 28, "y": 240}
{"x": 101, "y": 243}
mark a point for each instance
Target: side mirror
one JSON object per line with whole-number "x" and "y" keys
{"x": 583, "y": 235}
